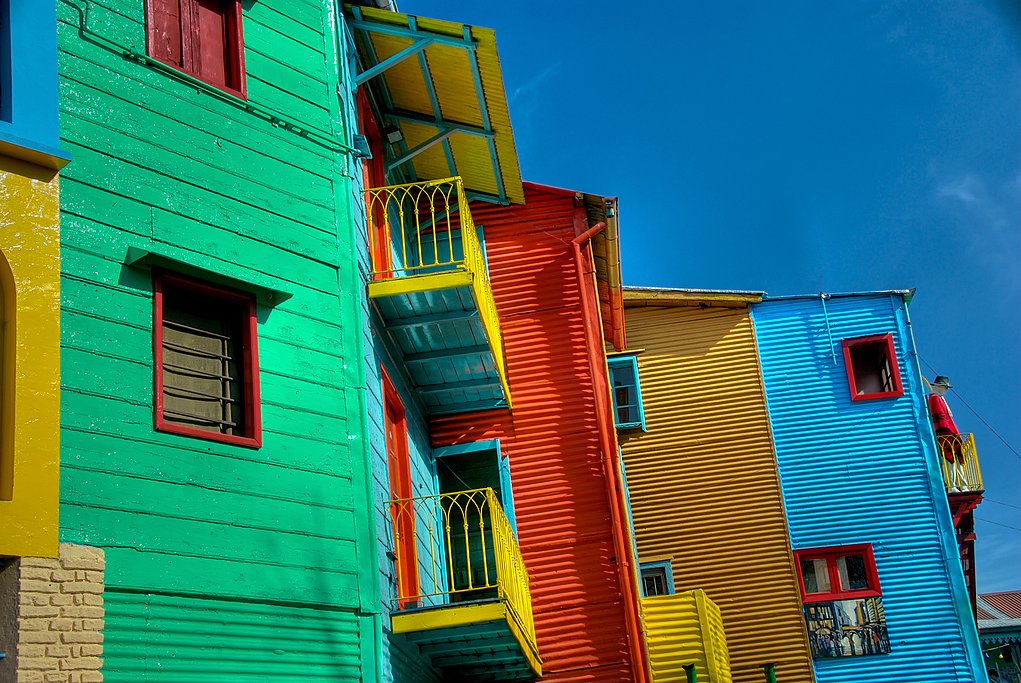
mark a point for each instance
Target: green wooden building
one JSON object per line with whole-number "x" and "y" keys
{"x": 212, "y": 383}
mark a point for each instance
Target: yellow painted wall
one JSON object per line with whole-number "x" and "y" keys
{"x": 685, "y": 628}
{"x": 705, "y": 491}
{"x": 30, "y": 349}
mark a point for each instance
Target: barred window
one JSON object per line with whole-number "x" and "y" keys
{"x": 206, "y": 368}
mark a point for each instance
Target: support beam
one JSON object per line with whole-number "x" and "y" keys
{"x": 488, "y": 383}
{"x": 480, "y": 93}
{"x": 446, "y": 353}
{"x": 418, "y": 149}
{"x": 397, "y": 58}
{"x": 433, "y": 99}
{"x": 362, "y": 24}
{"x": 441, "y": 123}
{"x": 432, "y": 319}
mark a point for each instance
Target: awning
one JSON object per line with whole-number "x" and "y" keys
{"x": 440, "y": 83}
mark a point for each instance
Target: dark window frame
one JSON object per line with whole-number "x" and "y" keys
{"x": 246, "y": 302}
{"x": 234, "y": 65}
{"x": 885, "y": 341}
{"x": 830, "y": 555}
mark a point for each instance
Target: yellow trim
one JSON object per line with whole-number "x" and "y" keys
{"x": 30, "y": 372}
{"x": 454, "y": 85}
{"x": 448, "y": 617}
{"x": 419, "y": 283}
{"x": 687, "y": 298}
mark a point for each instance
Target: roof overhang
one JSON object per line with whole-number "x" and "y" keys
{"x": 441, "y": 85}
{"x": 654, "y": 296}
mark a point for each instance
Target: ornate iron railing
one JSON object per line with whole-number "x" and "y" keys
{"x": 464, "y": 550}
{"x": 423, "y": 229}
{"x": 960, "y": 463}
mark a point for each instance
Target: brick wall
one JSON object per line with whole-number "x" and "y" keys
{"x": 59, "y": 617}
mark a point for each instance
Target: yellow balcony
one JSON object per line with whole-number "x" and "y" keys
{"x": 430, "y": 283}
{"x": 682, "y": 630}
{"x": 961, "y": 473}
{"x": 463, "y": 593}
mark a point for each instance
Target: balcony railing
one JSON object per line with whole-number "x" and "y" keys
{"x": 464, "y": 550}
{"x": 959, "y": 458}
{"x": 424, "y": 232}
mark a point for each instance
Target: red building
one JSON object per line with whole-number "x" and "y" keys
{"x": 554, "y": 268}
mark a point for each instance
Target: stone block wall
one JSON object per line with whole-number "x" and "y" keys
{"x": 51, "y": 617}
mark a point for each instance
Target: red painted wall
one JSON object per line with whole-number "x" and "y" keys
{"x": 551, "y": 438}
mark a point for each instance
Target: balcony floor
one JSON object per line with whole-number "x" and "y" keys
{"x": 479, "y": 641}
{"x": 435, "y": 320}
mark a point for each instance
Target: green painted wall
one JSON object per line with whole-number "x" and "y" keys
{"x": 223, "y": 563}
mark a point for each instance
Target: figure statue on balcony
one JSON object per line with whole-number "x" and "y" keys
{"x": 948, "y": 436}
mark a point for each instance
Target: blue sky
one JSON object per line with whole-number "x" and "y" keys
{"x": 800, "y": 147}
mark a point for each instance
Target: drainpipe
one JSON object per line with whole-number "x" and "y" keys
{"x": 770, "y": 671}
{"x": 690, "y": 674}
{"x": 607, "y": 439}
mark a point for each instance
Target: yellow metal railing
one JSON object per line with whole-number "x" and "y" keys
{"x": 422, "y": 229}
{"x": 464, "y": 550}
{"x": 960, "y": 462}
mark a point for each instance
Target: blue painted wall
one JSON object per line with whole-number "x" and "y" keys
{"x": 28, "y": 76}
{"x": 867, "y": 472}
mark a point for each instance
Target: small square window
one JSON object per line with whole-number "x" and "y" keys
{"x": 872, "y": 370}
{"x": 657, "y": 579}
{"x": 627, "y": 393}
{"x": 206, "y": 370}
{"x": 202, "y": 38}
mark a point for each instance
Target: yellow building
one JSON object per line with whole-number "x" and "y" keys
{"x": 705, "y": 493}
{"x": 30, "y": 158}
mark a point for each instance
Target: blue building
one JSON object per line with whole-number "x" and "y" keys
{"x": 885, "y": 597}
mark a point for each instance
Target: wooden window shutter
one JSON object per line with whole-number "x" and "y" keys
{"x": 203, "y": 363}
{"x": 165, "y": 31}
{"x": 212, "y": 44}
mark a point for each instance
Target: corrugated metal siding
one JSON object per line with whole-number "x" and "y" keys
{"x": 454, "y": 86}
{"x": 686, "y": 628}
{"x": 855, "y": 472}
{"x": 703, "y": 481}
{"x": 563, "y": 514}
{"x": 151, "y": 637}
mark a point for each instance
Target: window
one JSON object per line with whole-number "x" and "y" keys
{"x": 202, "y": 38}
{"x": 657, "y": 579}
{"x": 206, "y": 370}
{"x": 838, "y": 573}
{"x": 627, "y": 393}
{"x": 872, "y": 370}
{"x": 843, "y": 603}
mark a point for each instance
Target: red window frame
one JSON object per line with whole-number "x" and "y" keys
{"x": 234, "y": 54}
{"x": 249, "y": 345}
{"x": 891, "y": 355}
{"x": 830, "y": 555}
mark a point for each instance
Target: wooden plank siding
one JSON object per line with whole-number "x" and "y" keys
{"x": 212, "y": 548}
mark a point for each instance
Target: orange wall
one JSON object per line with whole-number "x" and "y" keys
{"x": 560, "y": 494}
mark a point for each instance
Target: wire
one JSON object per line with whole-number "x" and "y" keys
{"x": 989, "y": 521}
{"x": 981, "y": 419}
{"x": 1000, "y": 502}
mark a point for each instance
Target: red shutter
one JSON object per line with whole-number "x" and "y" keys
{"x": 210, "y": 47}
{"x": 165, "y": 31}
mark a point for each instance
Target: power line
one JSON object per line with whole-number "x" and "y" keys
{"x": 1000, "y": 502}
{"x": 989, "y": 521}
{"x": 981, "y": 419}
